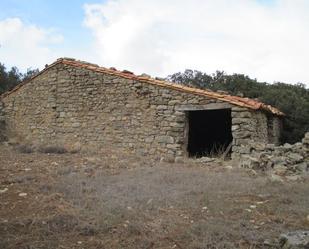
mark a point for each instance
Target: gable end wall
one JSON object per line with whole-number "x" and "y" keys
{"x": 68, "y": 105}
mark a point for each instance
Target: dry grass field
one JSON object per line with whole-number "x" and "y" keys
{"x": 112, "y": 201}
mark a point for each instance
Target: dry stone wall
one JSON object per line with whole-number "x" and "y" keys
{"x": 274, "y": 127}
{"x": 68, "y": 105}
{"x": 275, "y": 132}
{"x": 2, "y": 123}
{"x": 250, "y": 127}
{"x": 285, "y": 160}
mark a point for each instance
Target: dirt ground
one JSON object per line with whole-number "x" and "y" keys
{"x": 103, "y": 201}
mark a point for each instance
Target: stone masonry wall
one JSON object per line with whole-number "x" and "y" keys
{"x": 276, "y": 131}
{"x": 68, "y": 105}
{"x": 2, "y": 123}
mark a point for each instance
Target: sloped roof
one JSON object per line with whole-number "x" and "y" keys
{"x": 236, "y": 100}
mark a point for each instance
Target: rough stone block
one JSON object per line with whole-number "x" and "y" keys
{"x": 236, "y": 121}
{"x": 165, "y": 139}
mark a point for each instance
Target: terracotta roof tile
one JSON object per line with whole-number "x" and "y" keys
{"x": 236, "y": 100}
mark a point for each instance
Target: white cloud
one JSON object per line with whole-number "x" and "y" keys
{"x": 25, "y": 45}
{"x": 269, "y": 42}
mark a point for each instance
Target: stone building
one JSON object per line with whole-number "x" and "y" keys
{"x": 73, "y": 102}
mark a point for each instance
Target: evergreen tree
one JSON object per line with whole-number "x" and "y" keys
{"x": 10, "y": 79}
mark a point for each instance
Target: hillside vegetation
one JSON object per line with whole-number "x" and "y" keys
{"x": 11, "y": 78}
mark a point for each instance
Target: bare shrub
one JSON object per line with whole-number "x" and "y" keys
{"x": 66, "y": 170}
{"x": 63, "y": 222}
{"x": 218, "y": 150}
{"x": 24, "y": 148}
{"x": 56, "y": 149}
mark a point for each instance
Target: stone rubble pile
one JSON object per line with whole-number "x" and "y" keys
{"x": 285, "y": 160}
{"x": 295, "y": 240}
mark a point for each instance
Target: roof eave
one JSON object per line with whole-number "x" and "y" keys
{"x": 238, "y": 101}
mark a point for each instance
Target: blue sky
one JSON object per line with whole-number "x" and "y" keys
{"x": 65, "y": 16}
{"x": 266, "y": 39}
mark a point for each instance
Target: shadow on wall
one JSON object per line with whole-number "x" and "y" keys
{"x": 3, "y": 136}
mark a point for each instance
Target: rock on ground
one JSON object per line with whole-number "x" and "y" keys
{"x": 295, "y": 240}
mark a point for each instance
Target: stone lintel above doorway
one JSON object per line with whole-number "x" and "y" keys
{"x": 210, "y": 106}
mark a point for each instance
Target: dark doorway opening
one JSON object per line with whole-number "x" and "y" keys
{"x": 209, "y": 132}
